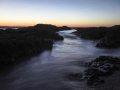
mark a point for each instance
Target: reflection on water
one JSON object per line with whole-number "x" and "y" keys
{"x": 48, "y": 70}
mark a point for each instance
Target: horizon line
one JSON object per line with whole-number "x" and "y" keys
{"x": 55, "y": 25}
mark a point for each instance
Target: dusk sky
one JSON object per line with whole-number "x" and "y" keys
{"x": 80, "y": 13}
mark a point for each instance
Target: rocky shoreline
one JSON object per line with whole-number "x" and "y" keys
{"x": 17, "y": 43}
{"x": 98, "y": 71}
{"x": 100, "y": 67}
{"x": 105, "y": 37}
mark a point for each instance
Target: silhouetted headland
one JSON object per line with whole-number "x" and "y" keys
{"x": 106, "y": 36}
{"x": 15, "y": 44}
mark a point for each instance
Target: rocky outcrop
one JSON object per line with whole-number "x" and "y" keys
{"x": 93, "y": 33}
{"x": 111, "y": 39}
{"x": 97, "y": 70}
{"x": 64, "y": 28}
{"x": 13, "y": 49}
{"x": 52, "y": 27}
{"x": 15, "y": 44}
{"x": 108, "y": 37}
{"x": 42, "y": 33}
{"x": 101, "y": 66}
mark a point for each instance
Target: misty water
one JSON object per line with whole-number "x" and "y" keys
{"x": 49, "y": 70}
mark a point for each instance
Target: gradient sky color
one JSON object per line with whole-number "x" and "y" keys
{"x": 80, "y": 13}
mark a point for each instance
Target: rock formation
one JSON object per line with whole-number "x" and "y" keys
{"x": 106, "y": 36}
{"x": 101, "y": 66}
{"x": 15, "y": 44}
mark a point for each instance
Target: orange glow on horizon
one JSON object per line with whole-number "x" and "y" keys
{"x": 57, "y": 24}
{"x": 15, "y": 24}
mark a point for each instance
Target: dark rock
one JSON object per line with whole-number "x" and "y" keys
{"x": 64, "y": 28}
{"x": 107, "y": 37}
{"x": 52, "y": 27}
{"x": 102, "y": 66}
{"x": 111, "y": 39}
{"x": 93, "y": 33}
{"x": 15, "y": 44}
{"x": 92, "y": 79}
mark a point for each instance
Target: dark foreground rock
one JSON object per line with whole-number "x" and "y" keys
{"x": 15, "y": 44}
{"x": 102, "y": 66}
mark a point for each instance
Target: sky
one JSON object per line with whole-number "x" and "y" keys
{"x": 73, "y": 13}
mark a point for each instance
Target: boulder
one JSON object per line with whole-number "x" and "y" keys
{"x": 101, "y": 66}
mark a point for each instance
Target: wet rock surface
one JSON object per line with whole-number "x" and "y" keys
{"x": 100, "y": 67}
